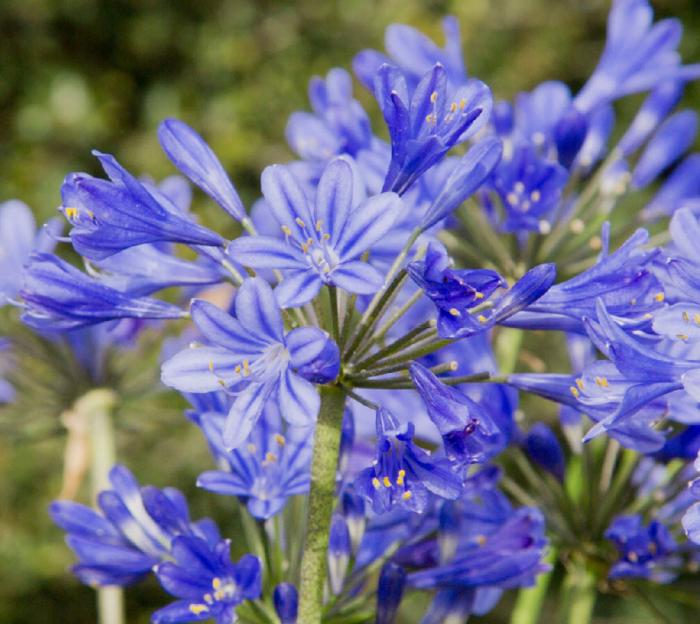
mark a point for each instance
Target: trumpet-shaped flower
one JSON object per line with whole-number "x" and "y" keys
{"x": 249, "y": 353}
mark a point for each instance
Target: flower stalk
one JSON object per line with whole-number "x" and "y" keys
{"x": 320, "y": 506}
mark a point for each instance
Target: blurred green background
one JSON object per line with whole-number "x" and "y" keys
{"x": 82, "y": 74}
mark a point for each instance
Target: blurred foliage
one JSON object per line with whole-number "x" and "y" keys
{"x": 84, "y": 74}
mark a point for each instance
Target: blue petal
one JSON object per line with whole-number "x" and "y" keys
{"x": 298, "y": 399}
{"x": 305, "y": 344}
{"x": 244, "y": 413}
{"x": 297, "y": 288}
{"x": 334, "y": 199}
{"x": 357, "y": 277}
{"x": 266, "y": 252}
{"x": 225, "y": 331}
{"x": 200, "y": 369}
{"x": 257, "y": 310}
{"x": 286, "y": 200}
{"x": 189, "y": 153}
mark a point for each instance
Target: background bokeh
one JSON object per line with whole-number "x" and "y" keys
{"x": 82, "y": 74}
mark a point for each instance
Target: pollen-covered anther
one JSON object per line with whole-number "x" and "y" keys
{"x": 455, "y": 312}
{"x": 299, "y": 221}
{"x": 535, "y": 196}
{"x": 575, "y": 391}
{"x": 513, "y": 199}
{"x": 376, "y": 483}
{"x": 246, "y": 368}
{"x": 71, "y": 212}
{"x": 407, "y": 495}
{"x": 252, "y": 449}
{"x": 433, "y": 97}
{"x": 286, "y": 230}
{"x": 319, "y": 225}
{"x": 602, "y": 382}
{"x": 387, "y": 482}
{"x": 579, "y": 383}
{"x": 696, "y": 318}
{"x": 198, "y": 609}
{"x": 270, "y": 458}
{"x": 659, "y": 297}
{"x": 280, "y": 439}
{"x": 481, "y": 318}
{"x": 454, "y": 365}
{"x": 481, "y": 540}
{"x": 683, "y": 337}
{"x": 401, "y": 477}
{"x": 478, "y": 295}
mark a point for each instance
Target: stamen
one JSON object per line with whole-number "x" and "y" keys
{"x": 575, "y": 392}
{"x": 319, "y": 223}
{"x": 198, "y": 609}
{"x": 579, "y": 383}
{"x": 280, "y": 439}
{"x": 300, "y": 223}
{"x": 400, "y": 478}
{"x": 659, "y": 297}
{"x": 407, "y": 495}
{"x": 376, "y": 483}
{"x": 478, "y": 295}
{"x": 387, "y": 483}
{"x": 481, "y": 318}
{"x": 252, "y": 449}
{"x": 454, "y": 312}
{"x": 270, "y": 458}
{"x": 287, "y": 230}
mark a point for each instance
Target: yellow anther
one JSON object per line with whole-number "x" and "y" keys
{"x": 454, "y": 312}
{"x": 300, "y": 223}
{"x": 659, "y": 297}
{"x": 211, "y": 366}
{"x": 221, "y": 382}
{"x": 401, "y": 477}
{"x": 683, "y": 337}
{"x": 481, "y": 540}
{"x": 71, "y": 212}
{"x": 270, "y": 457}
{"x": 535, "y": 196}
{"x": 696, "y": 318}
{"x": 90, "y": 214}
{"x": 376, "y": 483}
{"x": 478, "y": 295}
{"x": 237, "y": 370}
{"x": 574, "y": 391}
{"x": 246, "y": 368}
{"x": 512, "y": 199}
{"x": 602, "y": 382}
{"x": 319, "y": 224}
{"x": 279, "y": 438}
{"x": 686, "y": 317}
{"x": 252, "y": 448}
{"x": 481, "y": 318}
{"x": 219, "y": 594}
{"x": 216, "y": 583}
{"x": 407, "y": 495}
{"x": 433, "y": 97}
{"x": 287, "y": 230}
{"x": 305, "y": 247}
{"x": 579, "y": 383}
{"x": 454, "y": 365}
{"x": 326, "y": 236}
{"x": 208, "y": 598}
{"x": 198, "y": 609}
{"x": 462, "y": 103}
{"x": 519, "y": 187}
{"x": 386, "y": 482}
{"x": 430, "y": 118}
{"x": 453, "y": 107}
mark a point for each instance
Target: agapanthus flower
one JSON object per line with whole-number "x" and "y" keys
{"x": 623, "y": 280}
{"x": 324, "y": 240}
{"x": 530, "y": 189}
{"x": 134, "y": 530}
{"x": 468, "y": 432}
{"x": 18, "y": 240}
{"x": 249, "y": 353}
{"x": 544, "y": 449}
{"x": 645, "y": 551}
{"x": 424, "y": 124}
{"x": 207, "y": 584}
{"x": 638, "y": 55}
{"x": 108, "y": 216}
{"x": 691, "y": 518}
{"x": 403, "y": 474}
{"x": 455, "y": 292}
{"x": 57, "y": 296}
{"x": 495, "y": 547}
{"x": 265, "y": 471}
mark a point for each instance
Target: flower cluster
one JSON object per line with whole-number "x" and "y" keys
{"x": 366, "y": 356}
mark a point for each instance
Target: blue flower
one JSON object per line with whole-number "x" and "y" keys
{"x": 133, "y": 531}
{"x": 691, "y": 518}
{"x": 18, "y": 239}
{"x": 456, "y": 291}
{"x": 530, "y": 189}
{"x": 403, "y": 475}
{"x": 493, "y": 547}
{"x": 623, "y": 280}
{"x": 468, "y": 432}
{"x": 425, "y": 124}
{"x": 415, "y": 54}
{"x": 191, "y": 155}
{"x": 681, "y": 186}
{"x": 390, "y": 588}
{"x": 338, "y": 124}
{"x": 286, "y": 601}
{"x": 544, "y": 449}
{"x": 322, "y": 242}
{"x": 645, "y": 551}
{"x": 206, "y": 582}
{"x": 250, "y": 354}
{"x": 637, "y": 56}
{"x": 264, "y": 472}
{"x": 110, "y": 216}
{"x": 57, "y": 296}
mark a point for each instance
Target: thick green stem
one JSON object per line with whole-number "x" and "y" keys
{"x": 96, "y": 407}
{"x": 579, "y": 594}
{"x": 320, "y": 507}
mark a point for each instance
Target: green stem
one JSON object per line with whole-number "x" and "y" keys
{"x": 97, "y": 406}
{"x": 580, "y": 595}
{"x": 320, "y": 506}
